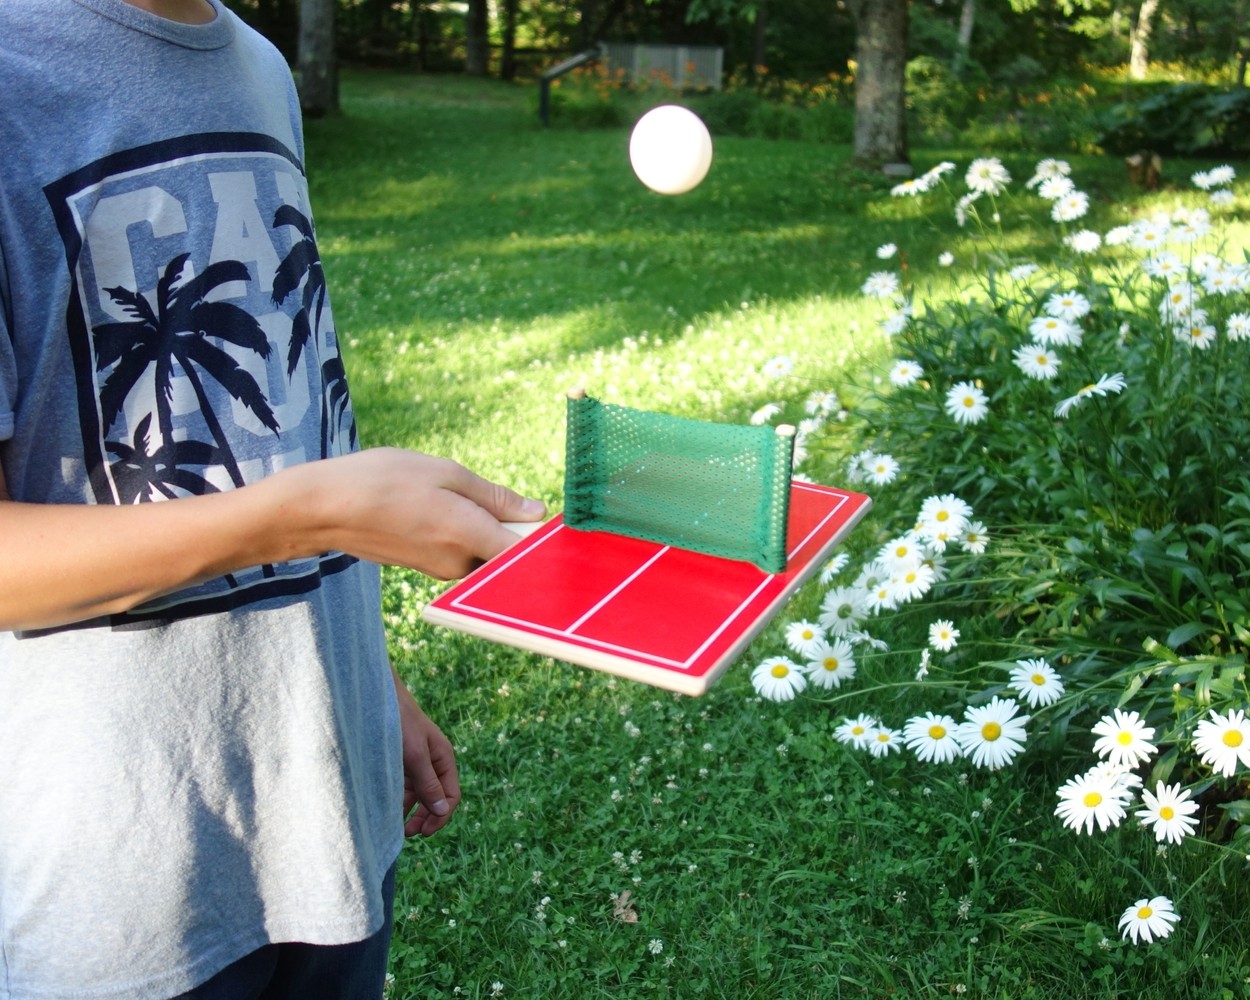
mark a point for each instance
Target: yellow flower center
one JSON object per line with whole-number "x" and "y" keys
{"x": 937, "y": 732}
{"x": 991, "y": 731}
{"x": 1038, "y": 679}
{"x": 1124, "y": 739}
{"x": 901, "y": 552}
{"x": 910, "y": 577}
{"x": 831, "y": 663}
{"x": 1091, "y": 799}
{"x": 780, "y": 670}
{"x": 969, "y": 402}
{"x": 1042, "y": 359}
{"x": 1167, "y": 812}
{"x": 883, "y": 737}
{"x": 942, "y": 515}
{"x": 1085, "y": 391}
{"x": 808, "y": 634}
{"x": 1232, "y": 738}
{"x": 1145, "y": 913}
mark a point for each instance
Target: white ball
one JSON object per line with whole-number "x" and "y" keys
{"x": 670, "y": 149}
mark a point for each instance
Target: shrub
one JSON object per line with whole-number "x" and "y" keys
{"x": 1092, "y": 412}
{"x": 1188, "y": 119}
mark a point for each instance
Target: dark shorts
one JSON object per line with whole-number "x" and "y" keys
{"x": 297, "y": 971}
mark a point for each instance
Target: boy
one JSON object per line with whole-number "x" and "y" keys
{"x": 205, "y": 759}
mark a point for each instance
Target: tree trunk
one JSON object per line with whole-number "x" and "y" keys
{"x": 318, "y": 67}
{"x": 759, "y": 38}
{"x": 507, "y": 61}
{"x": 477, "y": 39}
{"x": 880, "y": 81}
{"x": 967, "y": 20}
{"x": 1139, "y": 40}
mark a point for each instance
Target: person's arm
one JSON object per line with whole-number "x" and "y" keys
{"x": 66, "y": 562}
{"x": 431, "y": 781}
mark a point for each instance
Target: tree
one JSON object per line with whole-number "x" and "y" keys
{"x": 880, "y": 81}
{"x": 1139, "y": 40}
{"x": 318, "y": 67}
{"x": 477, "y": 39}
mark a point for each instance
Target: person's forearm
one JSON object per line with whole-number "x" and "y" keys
{"x": 66, "y": 563}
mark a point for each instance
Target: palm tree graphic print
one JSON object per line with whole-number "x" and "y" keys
{"x": 201, "y": 337}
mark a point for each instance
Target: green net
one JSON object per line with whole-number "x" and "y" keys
{"x": 722, "y": 489}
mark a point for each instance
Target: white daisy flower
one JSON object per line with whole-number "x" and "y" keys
{"x": 943, "y": 636}
{"x": 904, "y": 373}
{"x": 765, "y": 413}
{"x": 896, "y": 322}
{"x": 1222, "y": 175}
{"x": 1055, "y": 330}
{"x": 1105, "y": 384}
{"x": 1086, "y": 241}
{"x": 1048, "y": 169}
{"x": 922, "y": 671}
{"x": 1055, "y": 188}
{"x": 1122, "y": 778}
{"x": 1037, "y": 682}
{"x": 1197, "y": 335}
{"x": 831, "y": 664}
{"x": 833, "y": 567}
{"x": 1148, "y": 919}
{"x": 992, "y": 734}
{"x": 911, "y": 584}
{"x": 842, "y": 610}
{"x": 987, "y": 176}
{"x": 880, "y": 285}
{"x": 901, "y": 553}
{"x": 778, "y": 367}
{"x": 886, "y": 251}
{"x": 1070, "y": 206}
{"x": 1118, "y": 236}
{"x": 966, "y": 403}
{"x": 909, "y": 188}
{"x": 1071, "y": 306}
{"x": 778, "y": 679}
{"x": 822, "y": 401}
{"x": 1037, "y": 362}
{"x": 1178, "y": 303}
{"x": 1202, "y": 180}
{"x": 1163, "y": 264}
{"x": 1147, "y": 235}
{"x": 932, "y": 738}
{"x": 944, "y": 512}
{"x": 1223, "y": 741}
{"x": 1239, "y": 326}
{"x": 934, "y": 174}
{"x": 1022, "y": 272}
{"x": 881, "y": 597}
{"x": 974, "y": 539}
{"x": 854, "y": 732}
{"x": 1124, "y": 739}
{"x": 882, "y": 469}
{"x": 1222, "y": 198}
{"x": 804, "y": 638}
{"x": 882, "y": 741}
{"x": 1170, "y": 811}
{"x": 946, "y": 258}
{"x": 1088, "y": 799}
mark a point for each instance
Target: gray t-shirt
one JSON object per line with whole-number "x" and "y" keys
{"x": 220, "y": 768}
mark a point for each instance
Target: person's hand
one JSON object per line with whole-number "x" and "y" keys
{"x": 431, "y": 782}
{"x": 388, "y": 505}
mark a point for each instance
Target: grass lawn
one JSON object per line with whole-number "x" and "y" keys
{"x": 620, "y": 841}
